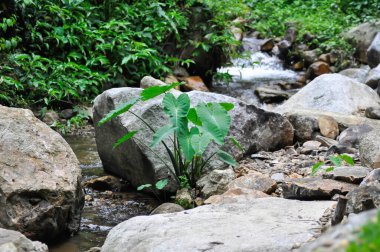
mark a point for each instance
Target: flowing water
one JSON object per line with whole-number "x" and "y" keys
{"x": 103, "y": 209}
{"x": 253, "y": 69}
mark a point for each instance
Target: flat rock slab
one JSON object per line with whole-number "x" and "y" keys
{"x": 255, "y": 181}
{"x": 314, "y": 188}
{"x": 13, "y": 241}
{"x": 349, "y": 174}
{"x": 265, "y": 224}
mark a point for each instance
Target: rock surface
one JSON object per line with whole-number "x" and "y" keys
{"x": 40, "y": 191}
{"x": 358, "y": 74}
{"x": 254, "y": 181}
{"x": 167, "y": 208}
{"x": 215, "y": 182}
{"x": 369, "y": 148}
{"x": 236, "y": 195}
{"x": 328, "y": 126}
{"x": 13, "y": 241}
{"x": 349, "y": 174}
{"x": 373, "y": 113}
{"x": 332, "y": 93}
{"x": 373, "y": 53}
{"x": 363, "y": 198}
{"x": 254, "y": 128}
{"x": 252, "y": 226}
{"x": 373, "y": 78}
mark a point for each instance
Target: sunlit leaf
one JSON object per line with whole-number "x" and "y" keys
{"x": 330, "y": 169}
{"x": 154, "y": 91}
{"x": 193, "y": 117}
{"x": 337, "y": 161}
{"x": 237, "y": 144}
{"x": 227, "y": 158}
{"x": 316, "y": 167}
{"x": 127, "y": 136}
{"x": 142, "y": 187}
{"x": 161, "y": 134}
{"x": 227, "y": 106}
{"x": 349, "y": 160}
{"x": 161, "y": 183}
{"x": 120, "y": 110}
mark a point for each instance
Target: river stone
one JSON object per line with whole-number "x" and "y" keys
{"x": 361, "y": 37}
{"x": 149, "y": 81}
{"x": 328, "y": 126}
{"x": 265, "y": 224}
{"x": 317, "y": 69}
{"x": 40, "y": 191}
{"x": 349, "y": 174}
{"x": 373, "y": 78}
{"x": 305, "y": 127}
{"x": 373, "y": 176}
{"x": 236, "y": 195}
{"x": 255, "y": 181}
{"x": 13, "y": 241}
{"x": 358, "y": 74}
{"x": 333, "y": 93}
{"x": 254, "y": 128}
{"x": 215, "y": 182}
{"x": 373, "y": 53}
{"x": 350, "y": 137}
{"x": 314, "y": 188}
{"x": 373, "y": 113}
{"x": 369, "y": 149}
{"x": 337, "y": 238}
{"x": 363, "y": 198}
{"x": 167, "y": 208}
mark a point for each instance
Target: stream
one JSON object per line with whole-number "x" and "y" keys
{"x": 103, "y": 209}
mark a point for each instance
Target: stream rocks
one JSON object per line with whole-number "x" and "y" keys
{"x": 254, "y": 128}
{"x": 40, "y": 191}
{"x": 13, "y": 241}
{"x": 369, "y": 148}
{"x": 373, "y": 52}
{"x": 255, "y": 225}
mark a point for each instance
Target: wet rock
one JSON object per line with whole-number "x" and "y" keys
{"x": 41, "y": 195}
{"x": 361, "y": 37}
{"x": 317, "y": 69}
{"x": 363, "y": 198}
{"x": 333, "y": 93}
{"x": 106, "y": 183}
{"x": 252, "y": 226}
{"x": 337, "y": 238}
{"x": 149, "y": 81}
{"x": 50, "y": 117}
{"x": 180, "y": 72}
{"x": 369, "y": 148}
{"x": 269, "y": 95}
{"x": 373, "y": 77}
{"x": 349, "y": 174}
{"x": 167, "y": 208}
{"x": 267, "y": 45}
{"x": 314, "y": 188}
{"x": 373, "y": 176}
{"x": 215, "y": 182}
{"x": 194, "y": 83}
{"x": 13, "y": 241}
{"x": 298, "y": 66}
{"x": 255, "y": 181}
{"x": 325, "y": 58}
{"x": 328, "y": 126}
{"x": 373, "y": 53}
{"x": 358, "y": 74}
{"x": 373, "y": 113}
{"x": 67, "y": 113}
{"x": 236, "y": 195}
{"x": 309, "y": 57}
{"x": 254, "y": 128}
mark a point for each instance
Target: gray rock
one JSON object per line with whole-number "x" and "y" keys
{"x": 349, "y": 174}
{"x": 305, "y": 127}
{"x": 258, "y": 225}
{"x": 40, "y": 191}
{"x": 373, "y": 113}
{"x": 364, "y": 198}
{"x": 50, "y": 117}
{"x": 167, "y": 208}
{"x": 373, "y": 176}
{"x": 309, "y": 57}
{"x": 361, "y": 37}
{"x": 358, "y": 74}
{"x": 278, "y": 177}
{"x": 255, "y": 181}
{"x": 269, "y": 95}
{"x": 369, "y": 149}
{"x": 337, "y": 238}
{"x": 67, "y": 113}
{"x": 332, "y": 93}
{"x": 373, "y": 53}
{"x": 149, "y": 81}
{"x": 236, "y": 195}
{"x": 373, "y": 78}
{"x": 314, "y": 188}
{"x": 254, "y": 128}
{"x": 328, "y": 126}
{"x": 215, "y": 182}
{"x": 350, "y": 137}
{"x": 13, "y": 241}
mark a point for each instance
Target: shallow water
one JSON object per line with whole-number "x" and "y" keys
{"x": 105, "y": 209}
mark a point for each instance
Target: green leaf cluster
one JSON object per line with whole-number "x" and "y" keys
{"x": 337, "y": 160}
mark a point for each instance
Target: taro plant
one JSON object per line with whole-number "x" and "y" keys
{"x": 337, "y": 160}
{"x": 190, "y": 129}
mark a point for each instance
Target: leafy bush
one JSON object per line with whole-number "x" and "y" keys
{"x": 191, "y": 130}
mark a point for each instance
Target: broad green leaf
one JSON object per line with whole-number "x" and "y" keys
{"x": 237, "y": 144}
{"x": 330, "y": 169}
{"x": 184, "y": 139}
{"x": 162, "y": 133}
{"x": 215, "y": 120}
{"x": 161, "y": 184}
{"x": 227, "y": 158}
{"x": 120, "y": 110}
{"x": 337, "y": 161}
{"x": 142, "y": 187}
{"x": 177, "y": 109}
{"x": 349, "y": 160}
{"x": 200, "y": 143}
{"x": 227, "y": 106}
{"x": 316, "y": 167}
{"x": 154, "y": 91}
{"x": 127, "y": 136}
{"x": 193, "y": 117}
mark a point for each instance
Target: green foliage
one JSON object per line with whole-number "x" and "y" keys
{"x": 190, "y": 141}
{"x": 368, "y": 239}
{"x": 337, "y": 160}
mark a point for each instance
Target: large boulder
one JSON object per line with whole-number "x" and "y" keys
{"x": 333, "y": 93}
{"x": 369, "y": 149}
{"x": 264, "y": 224}
{"x": 13, "y": 241}
{"x": 40, "y": 191}
{"x": 373, "y": 53}
{"x": 254, "y": 128}
{"x": 358, "y": 74}
{"x": 361, "y": 37}
{"x": 373, "y": 77}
